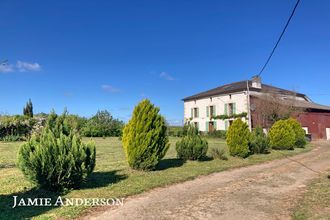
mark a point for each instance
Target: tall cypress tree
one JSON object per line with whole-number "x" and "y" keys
{"x": 144, "y": 137}
{"x": 28, "y": 109}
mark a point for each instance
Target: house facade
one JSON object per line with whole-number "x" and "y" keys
{"x": 217, "y": 108}
{"x": 202, "y": 112}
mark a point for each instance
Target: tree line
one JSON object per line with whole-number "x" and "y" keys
{"x": 21, "y": 127}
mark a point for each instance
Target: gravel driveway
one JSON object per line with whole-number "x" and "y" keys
{"x": 264, "y": 191}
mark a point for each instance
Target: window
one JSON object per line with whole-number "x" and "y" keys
{"x": 212, "y": 110}
{"x": 194, "y": 113}
{"x": 231, "y": 122}
{"x": 228, "y": 123}
{"x": 305, "y": 129}
{"x": 212, "y": 126}
{"x": 230, "y": 108}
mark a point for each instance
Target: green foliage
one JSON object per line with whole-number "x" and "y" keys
{"x": 192, "y": 146}
{"x": 259, "y": 143}
{"x": 174, "y": 131}
{"x": 55, "y": 160}
{"x": 28, "y": 109}
{"x": 218, "y": 153}
{"x": 282, "y": 136}
{"x": 223, "y": 117}
{"x": 12, "y": 138}
{"x": 16, "y": 127}
{"x": 300, "y": 140}
{"x": 217, "y": 134}
{"x": 103, "y": 125}
{"x": 144, "y": 137}
{"x": 238, "y": 138}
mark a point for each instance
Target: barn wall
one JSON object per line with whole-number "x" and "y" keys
{"x": 316, "y": 122}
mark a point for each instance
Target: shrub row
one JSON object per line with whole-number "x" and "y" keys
{"x": 283, "y": 135}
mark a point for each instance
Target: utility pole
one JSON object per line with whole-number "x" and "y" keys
{"x": 248, "y": 105}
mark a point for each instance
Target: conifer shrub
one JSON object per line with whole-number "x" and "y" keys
{"x": 300, "y": 140}
{"x": 144, "y": 137}
{"x": 218, "y": 153}
{"x": 192, "y": 146}
{"x": 282, "y": 136}
{"x": 238, "y": 138}
{"x": 259, "y": 143}
{"x": 56, "y": 161}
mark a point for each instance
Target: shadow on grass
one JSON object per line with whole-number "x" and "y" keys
{"x": 102, "y": 179}
{"x": 25, "y": 212}
{"x": 169, "y": 163}
{"x": 206, "y": 158}
{"x": 8, "y": 165}
{"x": 97, "y": 179}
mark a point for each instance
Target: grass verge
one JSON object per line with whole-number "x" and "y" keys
{"x": 315, "y": 203}
{"x": 112, "y": 177}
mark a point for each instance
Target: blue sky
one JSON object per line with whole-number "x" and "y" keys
{"x": 90, "y": 55}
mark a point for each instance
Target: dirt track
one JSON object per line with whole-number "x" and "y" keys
{"x": 264, "y": 191}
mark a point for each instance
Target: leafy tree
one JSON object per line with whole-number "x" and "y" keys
{"x": 238, "y": 138}
{"x": 282, "y": 136}
{"x": 144, "y": 137}
{"x": 103, "y": 125}
{"x": 28, "y": 109}
{"x": 192, "y": 146}
{"x": 57, "y": 159}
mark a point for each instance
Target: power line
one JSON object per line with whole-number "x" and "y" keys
{"x": 279, "y": 39}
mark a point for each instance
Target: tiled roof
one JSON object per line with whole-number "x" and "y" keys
{"x": 299, "y": 103}
{"x": 238, "y": 87}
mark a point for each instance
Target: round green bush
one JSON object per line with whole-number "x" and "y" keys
{"x": 238, "y": 138}
{"x": 144, "y": 137}
{"x": 192, "y": 146}
{"x": 282, "y": 136}
{"x": 299, "y": 132}
{"x": 55, "y": 162}
{"x": 259, "y": 143}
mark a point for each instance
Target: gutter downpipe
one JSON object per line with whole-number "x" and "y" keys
{"x": 248, "y": 105}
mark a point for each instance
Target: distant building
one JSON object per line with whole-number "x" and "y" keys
{"x": 216, "y": 109}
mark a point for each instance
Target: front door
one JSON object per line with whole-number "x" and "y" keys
{"x": 211, "y": 126}
{"x": 328, "y": 133}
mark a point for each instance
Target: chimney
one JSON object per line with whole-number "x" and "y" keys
{"x": 256, "y": 82}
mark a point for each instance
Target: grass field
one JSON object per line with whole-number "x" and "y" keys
{"x": 315, "y": 203}
{"x": 111, "y": 178}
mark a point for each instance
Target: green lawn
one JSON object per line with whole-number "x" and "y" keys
{"x": 111, "y": 178}
{"x": 315, "y": 203}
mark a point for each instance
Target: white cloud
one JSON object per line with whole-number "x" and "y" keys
{"x": 6, "y": 68}
{"x": 20, "y": 66}
{"x": 109, "y": 88}
{"x": 27, "y": 67}
{"x": 166, "y": 76}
